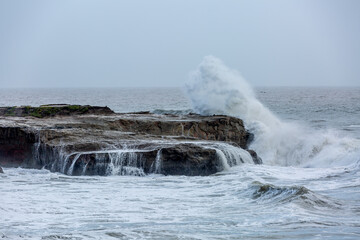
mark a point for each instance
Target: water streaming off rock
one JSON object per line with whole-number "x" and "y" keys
{"x": 130, "y": 161}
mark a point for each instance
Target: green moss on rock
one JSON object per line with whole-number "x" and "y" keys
{"x": 53, "y": 110}
{"x": 43, "y": 111}
{"x": 10, "y": 111}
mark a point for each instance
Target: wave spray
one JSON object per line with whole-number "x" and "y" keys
{"x": 213, "y": 88}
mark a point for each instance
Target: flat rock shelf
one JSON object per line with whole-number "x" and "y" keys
{"x": 90, "y": 140}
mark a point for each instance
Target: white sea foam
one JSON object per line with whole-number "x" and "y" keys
{"x": 214, "y": 88}
{"x": 240, "y": 203}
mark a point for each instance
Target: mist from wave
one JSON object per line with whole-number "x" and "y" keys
{"x": 213, "y": 88}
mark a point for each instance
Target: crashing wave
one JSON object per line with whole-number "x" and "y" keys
{"x": 213, "y": 88}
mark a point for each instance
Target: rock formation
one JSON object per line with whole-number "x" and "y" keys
{"x": 88, "y": 140}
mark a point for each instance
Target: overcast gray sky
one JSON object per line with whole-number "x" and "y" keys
{"x": 88, "y": 43}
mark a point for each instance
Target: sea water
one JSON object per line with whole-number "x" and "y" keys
{"x": 307, "y": 188}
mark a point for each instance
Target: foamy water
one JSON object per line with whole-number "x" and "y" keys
{"x": 308, "y": 188}
{"x": 216, "y": 89}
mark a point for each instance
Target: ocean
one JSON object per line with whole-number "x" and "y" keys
{"x": 307, "y": 188}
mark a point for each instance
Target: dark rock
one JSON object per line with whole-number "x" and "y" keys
{"x": 180, "y": 159}
{"x": 16, "y": 146}
{"x": 255, "y": 157}
{"x": 100, "y": 142}
{"x": 215, "y": 128}
{"x": 52, "y": 110}
{"x": 1, "y": 170}
{"x": 190, "y": 160}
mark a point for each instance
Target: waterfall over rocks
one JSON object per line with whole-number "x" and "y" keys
{"x": 125, "y": 144}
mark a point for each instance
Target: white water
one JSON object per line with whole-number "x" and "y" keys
{"x": 216, "y": 89}
{"x": 247, "y": 201}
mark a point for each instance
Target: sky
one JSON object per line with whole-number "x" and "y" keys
{"x": 134, "y": 43}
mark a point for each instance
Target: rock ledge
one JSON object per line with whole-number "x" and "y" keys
{"x": 88, "y": 140}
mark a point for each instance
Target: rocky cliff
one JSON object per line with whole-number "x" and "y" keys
{"x": 88, "y": 140}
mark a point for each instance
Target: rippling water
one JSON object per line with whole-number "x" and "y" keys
{"x": 270, "y": 201}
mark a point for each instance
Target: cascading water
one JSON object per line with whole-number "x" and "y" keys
{"x": 128, "y": 161}
{"x": 125, "y": 163}
{"x": 71, "y": 168}
{"x": 156, "y": 165}
{"x": 37, "y": 147}
{"x": 107, "y": 162}
{"x": 231, "y": 156}
{"x": 216, "y": 89}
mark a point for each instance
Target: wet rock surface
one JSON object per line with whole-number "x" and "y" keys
{"x": 51, "y": 110}
{"x": 101, "y": 142}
